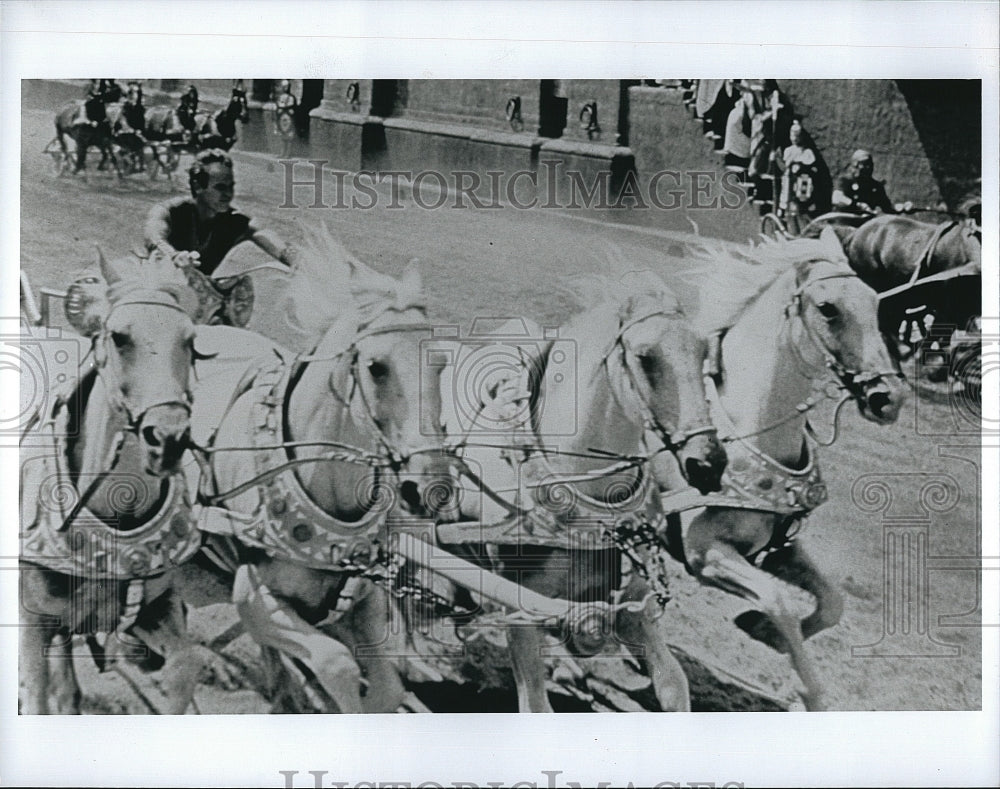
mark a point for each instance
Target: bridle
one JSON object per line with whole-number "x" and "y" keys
{"x": 674, "y": 439}
{"x": 109, "y": 371}
{"x": 847, "y": 376}
{"x": 396, "y": 458}
{"x": 111, "y": 376}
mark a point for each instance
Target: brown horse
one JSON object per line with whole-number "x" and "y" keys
{"x": 890, "y": 251}
{"x": 893, "y": 254}
{"x": 88, "y": 126}
{"x": 218, "y": 130}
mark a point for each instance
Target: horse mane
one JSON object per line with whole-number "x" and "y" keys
{"x": 729, "y": 278}
{"x": 623, "y": 291}
{"x": 329, "y": 285}
{"x": 157, "y": 272}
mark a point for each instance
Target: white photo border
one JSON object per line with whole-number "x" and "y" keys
{"x": 480, "y": 40}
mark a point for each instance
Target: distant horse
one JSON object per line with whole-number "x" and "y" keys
{"x": 88, "y": 126}
{"x": 638, "y": 379}
{"x": 164, "y": 124}
{"x": 309, "y": 454}
{"x": 218, "y": 130}
{"x": 892, "y": 250}
{"x": 895, "y": 251}
{"x": 105, "y": 512}
{"x": 795, "y": 315}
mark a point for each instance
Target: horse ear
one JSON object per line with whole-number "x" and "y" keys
{"x": 831, "y": 240}
{"x": 411, "y": 275}
{"x": 109, "y": 270}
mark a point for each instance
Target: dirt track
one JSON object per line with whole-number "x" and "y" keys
{"x": 507, "y": 262}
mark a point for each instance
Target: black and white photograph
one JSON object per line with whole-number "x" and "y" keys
{"x": 350, "y": 386}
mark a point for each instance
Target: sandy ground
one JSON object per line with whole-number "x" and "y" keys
{"x": 507, "y": 262}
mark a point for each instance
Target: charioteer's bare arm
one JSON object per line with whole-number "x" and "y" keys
{"x": 271, "y": 243}
{"x": 157, "y": 229}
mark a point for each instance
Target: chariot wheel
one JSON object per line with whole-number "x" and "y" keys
{"x": 772, "y": 227}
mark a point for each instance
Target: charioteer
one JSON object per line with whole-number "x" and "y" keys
{"x": 200, "y": 230}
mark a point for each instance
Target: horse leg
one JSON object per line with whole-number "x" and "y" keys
{"x": 34, "y": 638}
{"x": 379, "y": 639}
{"x": 637, "y": 631}
{"x": 723, "y": 566}
{"x": 82, "y": 145}
{"x": 272, "y": 623}
{"x": 793, "y": 565}
{"x": 65, "y": 691}
{"x": 65, "y": 162}
{"x": 525, "y": 643}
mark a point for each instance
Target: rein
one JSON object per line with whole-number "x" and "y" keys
{"x": 846, "y": 376}
{"x": 116, "y": 399}
{"x": 388, "y": 458}
{"x": 673, "y": 439}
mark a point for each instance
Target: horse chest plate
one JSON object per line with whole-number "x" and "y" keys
{"x": 289, "y": 524}
{"x": 88, "y": 547}
{"x": 759, "y": 482}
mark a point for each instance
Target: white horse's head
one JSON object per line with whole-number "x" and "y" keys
{"x": 143, "y": 339}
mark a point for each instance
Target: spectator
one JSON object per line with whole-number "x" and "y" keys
{"x": 802, "y": 180}
{"x": 285, "y": 105}
{"x": 720, "y": 104}
{"x": 706, "y": 91}
{"x": 769, "y": 133}
{"x": 738, "y": 129}
{"x": 857, "y": 192}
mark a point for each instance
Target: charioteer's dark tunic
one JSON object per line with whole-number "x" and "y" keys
{"x": 178, "y": 223}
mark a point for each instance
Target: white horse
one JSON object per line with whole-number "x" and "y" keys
{"x": 105, "y": 512}
{"x": 637, "y": 377}
{"x": 794, "y": 315}
{"x": 310, "y": 454}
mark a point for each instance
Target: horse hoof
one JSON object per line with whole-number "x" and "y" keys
{"x": 759, "y": 627}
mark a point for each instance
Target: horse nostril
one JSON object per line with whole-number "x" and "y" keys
{"x": 702, "y": 475}
{"x": 878, "y": 402}
{"x": 411, "y": 494}
{"x": 151, "y": 436}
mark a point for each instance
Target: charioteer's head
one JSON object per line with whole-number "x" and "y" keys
{"x": 862, "y": 164}
{"x": 211, "y": 181}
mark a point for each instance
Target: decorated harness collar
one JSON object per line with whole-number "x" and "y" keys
{"x": 67, "y": 538}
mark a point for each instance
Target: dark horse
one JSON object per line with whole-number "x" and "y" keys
{"x": 88, "y": 126}
{"x": 218, "y": 130}
{"x": 908, "y": 263}
{"x": 205, "y": 130}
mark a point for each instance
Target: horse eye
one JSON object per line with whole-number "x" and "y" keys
{"x": 120, "y": 339}
{"x": 377, "y": 369}
{"x": 828, "y": 310}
